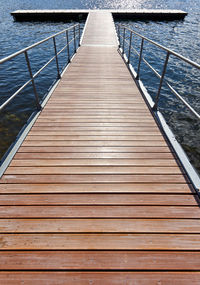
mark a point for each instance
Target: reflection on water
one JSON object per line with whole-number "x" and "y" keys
{"x": 181, "y": 36}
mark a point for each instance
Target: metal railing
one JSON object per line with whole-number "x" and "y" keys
{"x": 125, "y": 35}
{"x": 76, "y": 35}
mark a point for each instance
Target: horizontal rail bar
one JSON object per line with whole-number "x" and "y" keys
{"x": 15, "y": 94}
{"x": 133, "y": 48}
{"x": 183, "y": 100}
{"x": 25, "y": 84}
{"x": 165, "y": 81}
{"x": 172, "y": 89}
{"x": 60, "y": 51}
{"x": 164, "y": 48}
{"x": 44, "y": 66}
{"x": 34, "y": 45}
{"x": 66, "y": 46}
{"x": 29, "y": 81}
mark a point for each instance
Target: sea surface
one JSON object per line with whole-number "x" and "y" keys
{"x": 180, "y": 36}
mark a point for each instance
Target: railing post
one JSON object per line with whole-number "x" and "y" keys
{"x": 119, "y": 36}
{"x": 79, "y": 34}
{"x": 140, "y": 59}
{"x": 155, "y": 107}
{"x": 55, "y": 49}
{"x": 68, "y": 54}
{"x": 123, "y": 40}
{"x": 129, "y": 52}
{"x": 74, "y": 39}
{"x": 33, "y": 82}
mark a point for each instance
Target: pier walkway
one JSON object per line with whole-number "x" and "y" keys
{"x": 94, "y": 194}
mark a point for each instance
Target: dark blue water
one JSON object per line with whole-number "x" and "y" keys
{"x": 181, "y": 36}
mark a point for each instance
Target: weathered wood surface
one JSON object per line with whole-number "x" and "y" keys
{"x": 98, "y": 278}
{"x": 95, "y": 186}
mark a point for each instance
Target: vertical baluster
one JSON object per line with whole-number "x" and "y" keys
{"x": 68, "y": 53}
{"x": 74, "y": 39}
{"x": 140, "y": 59}
{"x": 124, "y": 33}
{"x": 33, "y": 82}
{"x": 55, "y": 49}
{"x": 79, "y": 34}
{"x": 119, "y": 36}
{"x": 155, "y": 107}
{"x": 129, "y": 52}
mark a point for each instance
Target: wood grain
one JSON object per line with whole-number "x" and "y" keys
{"x": 97, "y": 278}
{"x": 116, "y": 188}
{"x": 100, "y": 241}
{"x": 100, "y": 212}
{"x": 98, "y": 199}
{"x": 100, "y": 260}
{"x": 99, "y": 226}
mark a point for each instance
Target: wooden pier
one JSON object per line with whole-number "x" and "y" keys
{"x": 94, "y": 194}
{"x": 68, "y": 15}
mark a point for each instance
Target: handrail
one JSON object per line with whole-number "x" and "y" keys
{"x": 160, "y": 76}
{"x": 36, "y": 44}
{"x": 75, "y": 36}
{"x": 163, "y": 47}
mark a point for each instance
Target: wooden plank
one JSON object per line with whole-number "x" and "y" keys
{"x": 92, "y": 170}
{"x": 93, "y": 155}
{"x": 57, "y": 97}
{"x": 100, "y": 241}
{"x": 156, "y": 138}
{"x": 93, "y": 120}
{"x": 166, "y": 226}
{"x": 94, "y": 133}
{"x": 90, "y": 149}
{"x": 100, "y": 260}
{"x": 94, "y": 143}
{"x": 107, "y": 278}
{"x": 151, "y": 212}
{"x": 69, "y": 104}
{"x": 117, "y": 129}
{"x": 96, "y": 105}
{"x": 81, "y": 93}
{"x": 92, "y": 112}
{"x": 93, "y": 178}
{"x": 94, "y": 162}
{"x": 55, "y": 100}
{"x": 96, "y": 188}
{"x": 97, "y": 124}
{"x": 98, "y": 199}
